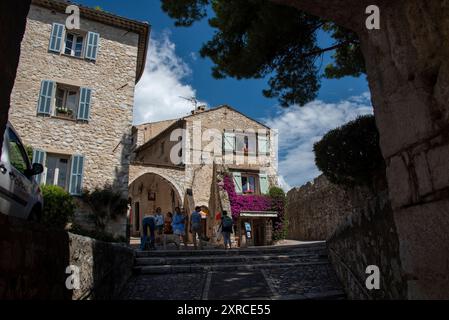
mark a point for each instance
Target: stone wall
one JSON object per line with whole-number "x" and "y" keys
{"x": 368, "y": 237}
{"x": 315, "y": 210}
{"x": 104, "y": 267}
{"x": 148, "y": 131}
{"x": 34, "y": 260}
{"x": 359, "y": 227}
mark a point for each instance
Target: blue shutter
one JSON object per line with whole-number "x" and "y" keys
{"x": 76, "y": 175}
{"x": 238, "y": 182}
{"x": 84, "y": 105}
{"x": 93, "y": 40}
{"x": 39, "y": 157}
{"x": 45, "y": 97}
{"x": 229, "y": 142}
{"x": 263, "y": 144}
{"x": 263, "y": 182}
{"x": 57, "y": 34}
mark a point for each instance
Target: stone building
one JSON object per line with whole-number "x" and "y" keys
{"x": 73, "y": 97}
{"x": 182, "y": 163}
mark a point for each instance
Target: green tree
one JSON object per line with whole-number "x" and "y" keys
{"x": 258, "y": 38}
{"x": 107, "y": 204}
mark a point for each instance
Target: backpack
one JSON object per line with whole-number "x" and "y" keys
{"x": 227, "y": 222}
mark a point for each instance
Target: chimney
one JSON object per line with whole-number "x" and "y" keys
{"x": 199, "y": 109}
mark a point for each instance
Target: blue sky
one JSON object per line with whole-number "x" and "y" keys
{"x": 174, "y": 69}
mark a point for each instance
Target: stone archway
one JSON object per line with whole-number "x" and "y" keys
{"x": 175, "y": 176}
{"x": 148, "y": 192}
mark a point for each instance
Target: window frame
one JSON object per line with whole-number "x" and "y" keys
{"x": 255, "y": 176}
{"x": 247, "y": 135}
{"x": 76, "y": 36}
{"x": 59, "y": 156}
{"x": 67, "y": 89}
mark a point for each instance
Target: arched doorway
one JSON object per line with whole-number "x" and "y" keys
{"x": 148, "y": 192}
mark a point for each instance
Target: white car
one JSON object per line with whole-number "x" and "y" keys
{"x": 20, "y": 195}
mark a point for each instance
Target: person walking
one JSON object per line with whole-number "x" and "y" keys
{"x": 168, "y": 230}
{"x": 147, "y": 238}
{"x": 195, "y": 227}
{"x": 178, "y": 225}
{"x": 226, "y": 229}
{"x": 159, "y": 220}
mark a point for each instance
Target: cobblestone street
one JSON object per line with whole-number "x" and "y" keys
{"x": 277, "y": 280}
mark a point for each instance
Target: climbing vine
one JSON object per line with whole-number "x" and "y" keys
{"x": 275, "y": 201}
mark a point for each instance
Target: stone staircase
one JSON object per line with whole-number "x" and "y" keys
{"x": 263, "y": 258}
{"x": 294, "y": 272}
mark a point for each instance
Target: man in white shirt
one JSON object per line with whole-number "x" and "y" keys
{"x": 159, "y": 222}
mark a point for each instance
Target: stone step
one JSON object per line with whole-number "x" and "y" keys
{"x": 312, "y": 248}
{"x": 195, "y": 268}
{"x": 326, "y": 295}
{"x": 230, "y": 259}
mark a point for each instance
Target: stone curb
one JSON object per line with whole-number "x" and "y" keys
{"x": 168, "y": 269}
{"x": 226, "y": 259}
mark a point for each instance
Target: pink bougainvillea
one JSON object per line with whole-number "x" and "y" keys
{"x": 241, "y": 203}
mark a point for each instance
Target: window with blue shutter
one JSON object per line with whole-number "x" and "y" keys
{"x": 238, "y": 182}
{"x": 76, "y": 175}
{"x": 57, "y": 34}
{"x": 46, "y": 97}
{"x": 93, "y": 40}
{"x": 229, "y": 142}
{"x": 84, "y": 104}
{"x": 39, "y": 157}
{"x": 263, "y": 182}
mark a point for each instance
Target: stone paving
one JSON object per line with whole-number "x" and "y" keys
{"x": 181, "y": 286}
{"x": 305, "y": 281}
{"x": 282, "y": 284}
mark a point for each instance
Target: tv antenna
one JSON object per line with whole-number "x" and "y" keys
{"x": 192, "y": 100}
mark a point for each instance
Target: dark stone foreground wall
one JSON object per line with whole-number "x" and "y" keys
{"x": 12, "y": 24}
{"x": 360, "y": 231}
{"x": 33, "y": 262}
{"x": 368, "y": 237}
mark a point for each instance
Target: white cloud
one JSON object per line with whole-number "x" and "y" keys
{"x": 299, "y": 128}
{"x": 158, "y": 93}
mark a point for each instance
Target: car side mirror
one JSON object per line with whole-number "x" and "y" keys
{"x": 37, "y": 169}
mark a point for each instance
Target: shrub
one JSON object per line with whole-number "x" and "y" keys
{"x": 58, "y": 206}
{"x": 106, "y": 204}
{"x": 276, "y": 193}
{"x": 350, "y": 155}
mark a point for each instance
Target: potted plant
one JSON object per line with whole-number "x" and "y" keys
{"x": 62, "y": 110}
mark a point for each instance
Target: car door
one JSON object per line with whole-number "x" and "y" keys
{"x": 20, "y": 186}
